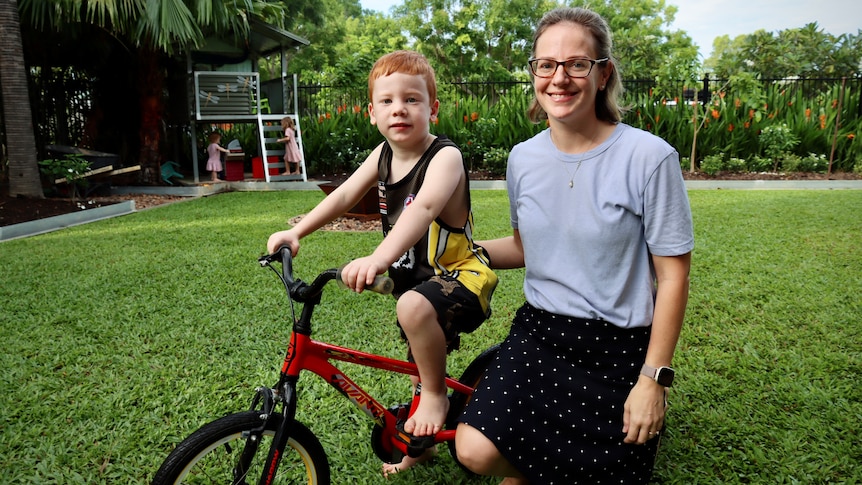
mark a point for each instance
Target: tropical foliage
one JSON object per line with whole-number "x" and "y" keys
{"x": 738, "y": 122}
{"x": 824, "y": 119}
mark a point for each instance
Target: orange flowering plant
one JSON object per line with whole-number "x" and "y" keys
{"x": 823, "y": 119}
{"x": 822, "y": 116}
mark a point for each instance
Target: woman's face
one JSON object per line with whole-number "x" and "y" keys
{"x": 564, "y": 98}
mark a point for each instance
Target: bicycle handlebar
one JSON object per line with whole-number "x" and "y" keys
{"x": 301, "y": 291}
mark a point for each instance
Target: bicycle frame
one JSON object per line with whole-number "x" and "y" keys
{"x": 305, "y": 354}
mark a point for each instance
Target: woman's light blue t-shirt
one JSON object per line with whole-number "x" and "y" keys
{"x": 587, "y": 248}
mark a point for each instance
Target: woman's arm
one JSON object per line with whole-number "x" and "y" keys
{"x": 506, "y": 252}
{"x": 644, "y": 408}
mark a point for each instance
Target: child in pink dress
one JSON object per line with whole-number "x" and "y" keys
{"x": 292, "y": 155}
{"x": 214, "y": 165}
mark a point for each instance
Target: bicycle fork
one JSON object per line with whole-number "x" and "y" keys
{"x": 286, "y": 393}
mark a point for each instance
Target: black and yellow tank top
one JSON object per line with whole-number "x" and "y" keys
{"x": 443, "y": 250}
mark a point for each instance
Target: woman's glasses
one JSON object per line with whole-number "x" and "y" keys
{"x": 575, "y": 67}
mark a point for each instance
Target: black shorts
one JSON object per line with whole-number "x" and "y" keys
{"x": 458, "y": 309}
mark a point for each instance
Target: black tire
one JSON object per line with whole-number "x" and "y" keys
{"x": 458, "y": 400}
{"x": 210, "y": 454}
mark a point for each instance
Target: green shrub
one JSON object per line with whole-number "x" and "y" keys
{"x": 496, "y": 160}
{"x": 72, "y": 167}
{"x": 777, "y": 142}
{"x": 735, "y": 164}
{"x": 814, "y": 163}
{"x": 712, "y": 164}
{"x": 759, "y": 164}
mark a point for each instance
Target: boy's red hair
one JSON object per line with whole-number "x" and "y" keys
{"x": 404, "y": 62}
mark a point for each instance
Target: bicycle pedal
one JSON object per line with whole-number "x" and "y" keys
{"x": 416, "y": 445}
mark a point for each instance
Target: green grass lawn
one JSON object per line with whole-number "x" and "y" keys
{"x": 122, "y": 336}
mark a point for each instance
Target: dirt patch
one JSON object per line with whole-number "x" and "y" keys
{"x": 14, "y": 210}
{"x": 346, "y": 224}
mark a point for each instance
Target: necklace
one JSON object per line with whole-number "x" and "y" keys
{"x": 572, "y": 175}
{"x": 578, "y": 166}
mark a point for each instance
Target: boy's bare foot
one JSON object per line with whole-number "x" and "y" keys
{"x": 429, "y": 416}
{"x": 407, "y": 462}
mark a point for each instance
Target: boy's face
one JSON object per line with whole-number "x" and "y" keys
{"x": 401, "y": 107}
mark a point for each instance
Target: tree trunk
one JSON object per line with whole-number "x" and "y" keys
{"x": 20, "y": 141}
{"x": 151, "y": 79}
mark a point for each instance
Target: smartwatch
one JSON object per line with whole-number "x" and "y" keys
{"x": 662, "y": 375}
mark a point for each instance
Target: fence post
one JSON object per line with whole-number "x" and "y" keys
{"x": 703, "y": 95}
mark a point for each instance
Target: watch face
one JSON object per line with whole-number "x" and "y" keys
{"x": 665, "y": 376}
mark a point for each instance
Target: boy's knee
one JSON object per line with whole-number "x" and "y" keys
{"x": 413, "y": 308}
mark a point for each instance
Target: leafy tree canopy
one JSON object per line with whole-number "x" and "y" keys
{"x": 480, "y": 40}
{"x": 807, "y": 51}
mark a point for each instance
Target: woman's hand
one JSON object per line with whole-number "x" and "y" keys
{"x": 643, "y": 417}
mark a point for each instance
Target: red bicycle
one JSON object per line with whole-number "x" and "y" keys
{"x": 267, "y": 445}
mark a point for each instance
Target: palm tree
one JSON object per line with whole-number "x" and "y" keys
{"x": 21, "y": 144}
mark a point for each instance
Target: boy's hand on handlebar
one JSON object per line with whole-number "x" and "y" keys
{"x": 360, "y": 273}
{"x": 283, "y": 238}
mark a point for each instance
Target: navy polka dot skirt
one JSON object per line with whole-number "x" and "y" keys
{"x": 552, "y": 401}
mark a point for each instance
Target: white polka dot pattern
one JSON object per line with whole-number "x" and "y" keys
{"x": 552, "y": 401}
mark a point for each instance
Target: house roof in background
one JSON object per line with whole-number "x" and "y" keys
{"x": 264, "y": 40}
{"x": 267, "y": 39}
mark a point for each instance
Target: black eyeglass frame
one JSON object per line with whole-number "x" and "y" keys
{"x": 531, "y": 62}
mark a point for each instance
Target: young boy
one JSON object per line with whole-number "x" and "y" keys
{"x": 443, "y": 282}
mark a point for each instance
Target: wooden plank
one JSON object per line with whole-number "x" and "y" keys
{"x": 124, "y": 170}
{"x": 97, "y": 171}
{"x": 106, "y": 171}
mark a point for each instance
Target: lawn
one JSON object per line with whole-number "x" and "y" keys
{"x": 122, "y": 336}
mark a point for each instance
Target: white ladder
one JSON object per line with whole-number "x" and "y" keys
{"x": 269, "y": 130}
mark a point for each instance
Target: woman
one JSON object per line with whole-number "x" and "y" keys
{"x": 602, "y": 224}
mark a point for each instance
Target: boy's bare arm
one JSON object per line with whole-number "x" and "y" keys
{"x": 444, "y": 177}
{"x": 334, "y": 205}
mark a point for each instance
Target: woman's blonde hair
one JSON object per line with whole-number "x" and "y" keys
{"x": 287, "y": 122}
{"x": 608, "y": 99}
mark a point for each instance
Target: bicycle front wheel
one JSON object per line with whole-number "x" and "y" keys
{"x": 211, "y": 453}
